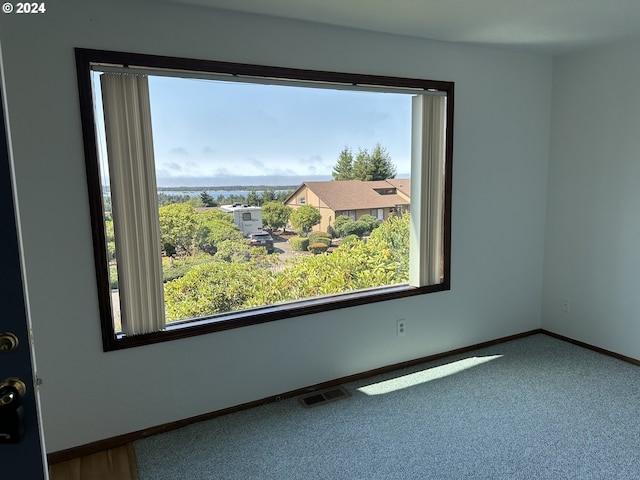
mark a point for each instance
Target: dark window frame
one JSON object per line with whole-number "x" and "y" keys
{"x": 85, "y": 58}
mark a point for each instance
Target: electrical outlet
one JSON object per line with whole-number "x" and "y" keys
{"x": 565, "y": 305}
{"x": 401, "y": 327}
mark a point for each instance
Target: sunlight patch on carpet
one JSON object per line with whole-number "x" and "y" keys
{"x": 424, "y": 376}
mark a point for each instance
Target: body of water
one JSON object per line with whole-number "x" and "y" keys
{"x": 214, "y": 193}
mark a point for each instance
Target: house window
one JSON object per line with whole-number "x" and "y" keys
{"x": 126, "y": 98}
{"x": 378, "y": 213}
{"x": 350, "y": 213}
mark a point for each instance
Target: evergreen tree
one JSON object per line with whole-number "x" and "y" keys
{"x": 253, "y": 199}
{"x": 207, "y": 200}
{"x": 361, "y": 168}
{"x": 268, "y": 196}
{"x": 380, "y": 166}
{"x": 343, "y": 169}
{"x": 367, "y": 167}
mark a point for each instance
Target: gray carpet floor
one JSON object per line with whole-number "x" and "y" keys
{"x": 533, "y": 408}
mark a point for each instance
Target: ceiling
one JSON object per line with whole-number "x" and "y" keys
{"x": 540, "y": 26}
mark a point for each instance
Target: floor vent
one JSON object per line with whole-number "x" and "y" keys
{"x": 323, "y": 396}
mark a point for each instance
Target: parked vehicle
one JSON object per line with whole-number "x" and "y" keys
{"x": 262, "y": 239}
{"x": 247, "y": 218}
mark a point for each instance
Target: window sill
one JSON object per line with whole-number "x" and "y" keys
{"x": 244, "y": 318}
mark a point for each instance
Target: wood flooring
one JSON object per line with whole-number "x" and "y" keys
{"x": 115, "y": 464}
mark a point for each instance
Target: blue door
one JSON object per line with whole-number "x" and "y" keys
{"x": 21, "y": 452}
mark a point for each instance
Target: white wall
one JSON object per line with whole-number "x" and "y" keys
{"x": 500, "y": 174}
{"x": 593, "y": 225}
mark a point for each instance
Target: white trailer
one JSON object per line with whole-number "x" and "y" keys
{"x": 248, "y": 219}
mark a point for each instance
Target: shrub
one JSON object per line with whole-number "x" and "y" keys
{"x": 113, "y": 276}
{"x": 339, "y": 224}
{"x": 317, "y": 248}
{"x": 299, "y": 244}
{"x": 111, "y": 251}
{"x": 176, "y": 268}
{"x": 349, "y": 239}
{"x": 233, "y": 251}
{"x": 319, "y": 237}
{"x": 369, "y": 222}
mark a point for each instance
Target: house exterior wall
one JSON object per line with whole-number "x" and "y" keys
{"x": 310, "y": 198}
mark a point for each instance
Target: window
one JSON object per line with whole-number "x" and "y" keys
{"x": 349, "y": 213}
{"x": 136, "y": 242}
{"x": 378, "y": 213}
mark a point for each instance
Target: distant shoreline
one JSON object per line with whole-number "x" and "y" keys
{"x": 227, "y": 188}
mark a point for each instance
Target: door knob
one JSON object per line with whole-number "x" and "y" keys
{"x": 12, "y": 424}
{"x": 8, "y": 342}
{"x": 9, "y": 388}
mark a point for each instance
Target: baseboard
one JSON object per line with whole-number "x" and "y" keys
{"x": 108, "y": 443}
{"x": 603, "y": 351}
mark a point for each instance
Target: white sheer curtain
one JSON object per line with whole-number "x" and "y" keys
{"x": 427, "y": 189}
{"x": 127, "y": 116}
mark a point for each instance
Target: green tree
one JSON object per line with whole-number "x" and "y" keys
{"x": 380, "y": 166}
{"x": 253, "y": 199}
{"x": 214, "y": 227}
{"x": 167, "y": 199}
{"x": 367, "y": 167}
{"x": 268, "y": 196}
{"x": 207, "y": 200}
{"x": 303, "y": 219}
{"x": 343, "y": 169}
{"x": 178, "y": 224}
{"x": 275, "y": 215}
{"x": 361, "y": 166}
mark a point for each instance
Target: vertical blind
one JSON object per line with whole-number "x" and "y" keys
{"x": 129, "y": 139}
{"x": 428, "y": 139}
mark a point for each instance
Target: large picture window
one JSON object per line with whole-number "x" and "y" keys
{"x": 196, "y": 171}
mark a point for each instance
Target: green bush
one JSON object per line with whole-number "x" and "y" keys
{"x": 319, "y": 237}
{"x": 212, "y": 288}
{"x": 339, "y": 224}
{"x": 113, "y": 277}
{"x": 349, "y": 239}
{"x": 317, "y": 248}
{"x": 233, "y": 251}
{"x": 369, "y": 223}
{"x": 299, "y": 244}
{"x": 176, "y": 268}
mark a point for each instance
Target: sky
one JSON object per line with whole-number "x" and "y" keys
{"x": 218, "y": 133}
